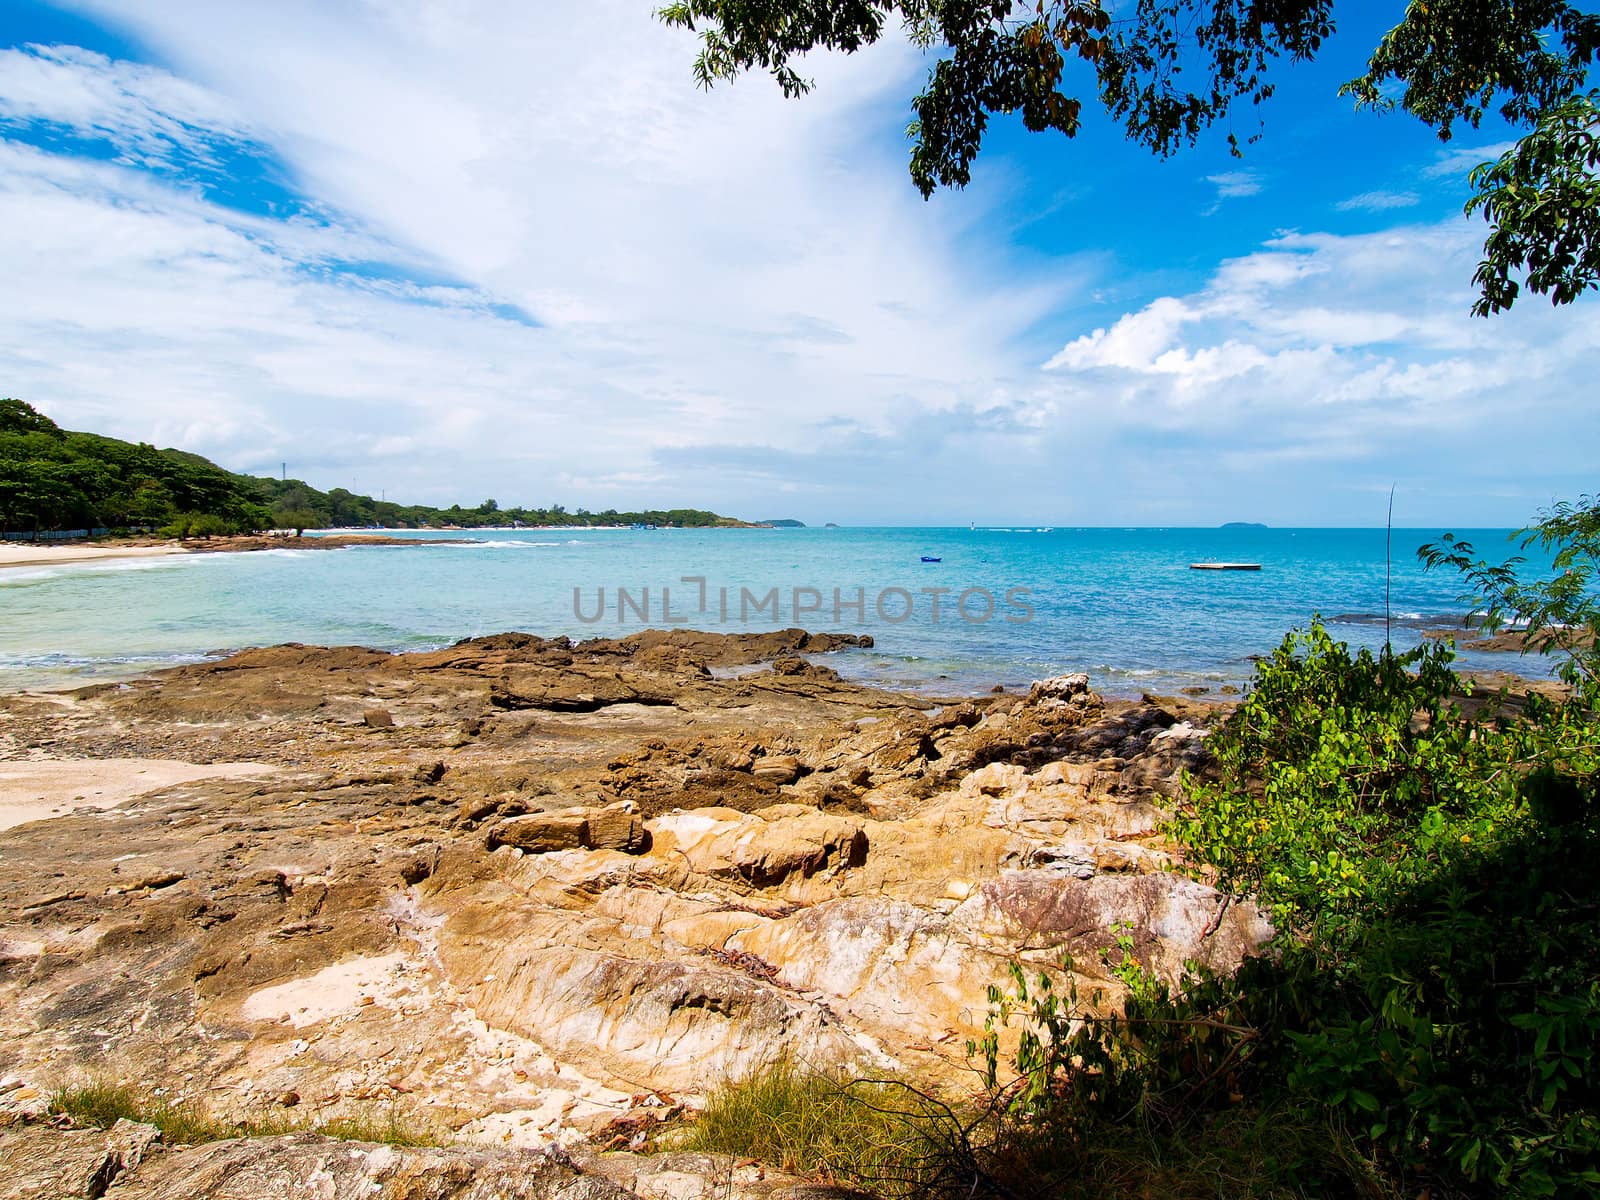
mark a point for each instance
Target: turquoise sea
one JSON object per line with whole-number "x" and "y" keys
{"x": 1120, "y": 604}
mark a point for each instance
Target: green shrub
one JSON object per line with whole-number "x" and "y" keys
{"x": 1559, "y": 615}
{"x": 1341, "y": 777}
{"x": 1432, "y": 996}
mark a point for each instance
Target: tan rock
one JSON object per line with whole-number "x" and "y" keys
{"x": 891, "y": 964}
{"x": 611, "y": 828}
{"x": 331, "y": 1169}
{"x": 777, "y": 768}
{"x": 1173, "y": 920}
{"x": 771, "y": 851}
{"x": 542, "y": 833}
{"x": 682, "y": 1025}
{"x": 339, "y": 931}
{"x": 615, "y": 828}
{"x": 1059, "y": 688}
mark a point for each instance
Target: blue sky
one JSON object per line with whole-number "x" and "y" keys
{"x": 452, "y": 251}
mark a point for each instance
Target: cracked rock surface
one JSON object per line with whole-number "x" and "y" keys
{"x": 555, "y": 888}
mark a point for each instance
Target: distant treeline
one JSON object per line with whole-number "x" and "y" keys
{"x": 52, "y": 478}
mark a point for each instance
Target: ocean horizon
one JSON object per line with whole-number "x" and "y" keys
{"x": 1001, "y": 606}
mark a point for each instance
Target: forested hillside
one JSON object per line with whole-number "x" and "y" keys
{"x": 53, "y": 479}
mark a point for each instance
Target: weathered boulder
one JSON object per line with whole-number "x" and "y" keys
{"x": 891, "y": 964}
{"x": 597, "y": 996}
{"x": 803, "y": 844}
{"x": 763, "y": 849}
{"x": 41, "y": 1163}
{"x": 555, "y": 690}
{"x": 542, "y": 833}
{"x": 320, "y": 1168}
{"x": 777, "y": 768}
{"x": 1059, "y": 688}
{"x": 614, "y": 827}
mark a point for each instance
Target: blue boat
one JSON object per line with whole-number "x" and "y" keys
{"x": 930, "y": 558}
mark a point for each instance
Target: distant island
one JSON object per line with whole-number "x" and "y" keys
{"x": 785, "y": 523}
{"x": 1243, "y": 525}
{"x": 55, "y": 479}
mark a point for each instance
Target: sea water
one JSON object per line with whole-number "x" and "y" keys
{"x": 1013, "y": 604}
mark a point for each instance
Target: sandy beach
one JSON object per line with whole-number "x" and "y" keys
{"x": 34, "y": 790}
{"x": 29, "y": 554}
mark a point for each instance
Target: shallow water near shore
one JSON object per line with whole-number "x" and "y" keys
{"x": 1013, "y": 604}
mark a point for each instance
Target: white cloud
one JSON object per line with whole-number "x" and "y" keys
{"x": 736, "y": 296}
{"x": 1378, "y": 201}
{"x": 1323, "y": 360}
{"x": 1232, "y": 185}
{"x": 147, "y": 113}
{"x": 1135, "y": 342}
{"x": 704, "y": 267}
{"x": 1458, "y": 160}
{"x": 1235, "y": 183}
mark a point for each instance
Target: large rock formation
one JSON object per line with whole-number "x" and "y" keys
{"x": 564, "y": 884}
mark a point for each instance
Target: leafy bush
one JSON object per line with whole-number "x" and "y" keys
{"x": 1432, "y": 995}
{"x": 1146, "y": 1098}
{"x": 1343, "y": 776}
{"x": 1559, "y": 615}
{"x": 1434, "y": 988}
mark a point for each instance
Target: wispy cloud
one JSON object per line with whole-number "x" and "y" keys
{"x": 1458, "y": 160}
{"x": 1235, "y": 183}
{"x": 1378, "y": 201}
{"x": 699, "y": 268}
{"x": 1232, "y": 185}
{"x": 148, "y": 114}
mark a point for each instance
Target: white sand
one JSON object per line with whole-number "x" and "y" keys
{"x": 27, "y": 554}
{"x": 36, "y": 791}
{"x": 333, "y": 990}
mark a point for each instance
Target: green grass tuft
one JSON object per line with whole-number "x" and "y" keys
{"x": 879, "y": 1135}
{"x": 892, "y": 1141}
{"x": 186, "y": 1123}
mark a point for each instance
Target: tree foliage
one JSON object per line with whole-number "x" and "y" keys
{"x": 1542, "y": 201}
{"x": 51, "y": 478}
{"x": 1559, "y": 615}
{"x": 1169, "y": 70}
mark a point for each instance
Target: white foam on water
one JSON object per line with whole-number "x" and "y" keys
{"x": 92, "y": 566}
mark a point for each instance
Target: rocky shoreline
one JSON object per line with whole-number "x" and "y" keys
{"x": 540, "y": 895}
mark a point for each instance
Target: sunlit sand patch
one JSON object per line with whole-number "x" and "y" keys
{"x": 38, "y": 790}
{"x": 333, "y": 991}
